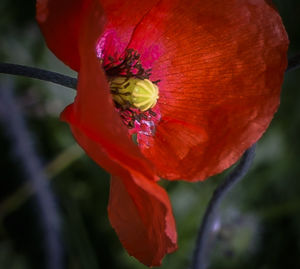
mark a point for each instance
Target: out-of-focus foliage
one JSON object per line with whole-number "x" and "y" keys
{"x": 259, "y": 224}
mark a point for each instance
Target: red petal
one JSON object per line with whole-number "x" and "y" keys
{"x": 141, "y": 213}
{"x": 98, "y": 129}
{"x": 93, "y": 110}
{"x": 221, "y": 64}
{"x": 60, "y": 22}
{"x": 139, "y": 209}
{"x": 122, "y": 18}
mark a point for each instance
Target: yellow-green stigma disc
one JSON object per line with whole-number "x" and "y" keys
{"x": 133, "y": 92}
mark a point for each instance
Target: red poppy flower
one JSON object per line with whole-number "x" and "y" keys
{"x": 197, "y": 82}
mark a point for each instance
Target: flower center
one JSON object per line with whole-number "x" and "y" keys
{"x": 135, "y": 96}
{"x": 134, "y": 93}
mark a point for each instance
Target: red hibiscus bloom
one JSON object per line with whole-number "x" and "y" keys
{"x": 197, "y": 82}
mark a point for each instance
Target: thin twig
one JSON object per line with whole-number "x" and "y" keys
{"x": 200, "y": 254}
{"x": 63, "y": 160}
{"x": 22, "y": 148}
{"x": 32, "y": 72}
{"x": 52, "y": 169}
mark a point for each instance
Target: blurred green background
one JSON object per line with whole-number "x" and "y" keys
{"x": 260, "y": 220}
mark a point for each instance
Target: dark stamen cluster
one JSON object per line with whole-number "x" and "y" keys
{"x": 129, "y": 115}
{"x": 128, "y": 66}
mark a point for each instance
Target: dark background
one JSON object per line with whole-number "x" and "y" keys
{"x": 260, "y": 219}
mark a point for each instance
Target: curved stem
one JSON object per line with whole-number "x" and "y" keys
{"x": 200, "y": 254}
{"x": 294, "y": 63}
{"x": 32, "y": 72}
